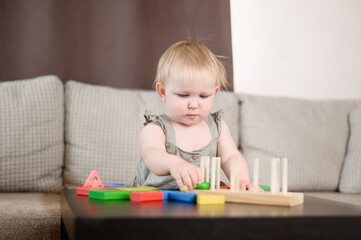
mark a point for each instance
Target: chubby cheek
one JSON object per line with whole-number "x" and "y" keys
{"x": 207, "y": 107}
{"x": 177, "y": 107}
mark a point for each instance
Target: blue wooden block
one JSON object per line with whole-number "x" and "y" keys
{"x": 182, "y": 196}
{"x": 117, "y": 185}
{"x": 166, "y": 194}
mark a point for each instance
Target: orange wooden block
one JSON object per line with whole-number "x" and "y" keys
{"x": 146, "y": 196}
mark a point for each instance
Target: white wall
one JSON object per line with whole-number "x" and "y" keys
{"x": 298, "y": 48}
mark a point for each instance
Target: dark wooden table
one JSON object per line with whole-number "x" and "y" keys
{"x": 82, "y": 218}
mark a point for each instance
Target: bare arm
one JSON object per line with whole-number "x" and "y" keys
{"x": 158, "y": 161}
{"x": 227, "y": 150}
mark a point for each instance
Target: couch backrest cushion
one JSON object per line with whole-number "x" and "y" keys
{"x": 350, "y": 181}
{"x": 31, "y": 135}
{"x": 103, "y": 126}
{"x": 313, "y": 136}
{"x": 101, "y": 129}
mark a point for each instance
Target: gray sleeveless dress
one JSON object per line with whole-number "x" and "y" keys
{"x": 145, "y": 177}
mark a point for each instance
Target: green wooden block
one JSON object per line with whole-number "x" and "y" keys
{"x": 265, "y": 188}
{"x": 203, "y": 185}
{"x": 109, "y": 194}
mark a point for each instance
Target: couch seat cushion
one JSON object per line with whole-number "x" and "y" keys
{"x": 29, "y": 216}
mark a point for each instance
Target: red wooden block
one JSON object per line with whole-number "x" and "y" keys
{"x": 85, "y": 190}
{"x": 93, "y": 180}
{"x": 223, "y": 187}
{"x": 146, "y": 196}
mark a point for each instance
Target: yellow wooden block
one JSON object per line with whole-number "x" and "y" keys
{"x": 207, "y": 199}
{"x": 139, "y": 189}
{"x": 184, "y": 189}
{"x": 147, "y": 188}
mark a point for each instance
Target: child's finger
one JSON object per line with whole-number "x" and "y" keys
{"x": 179, "y": 181}
{"x": 194, "y": 176}
{"x": 200, "y": 175}
{"x": 187, "y": 180}
{"x": 243, "y": 186}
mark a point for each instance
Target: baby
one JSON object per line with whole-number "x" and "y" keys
{"x": 189, "y": 76}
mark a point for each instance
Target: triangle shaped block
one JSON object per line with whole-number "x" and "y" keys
{"x": 93, "y": 180}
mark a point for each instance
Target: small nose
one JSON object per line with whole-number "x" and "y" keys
{"x": 192, "y": 104}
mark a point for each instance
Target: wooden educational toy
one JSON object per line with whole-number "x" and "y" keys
{"x": 108, "y": 194}
{"x": 146, "y": 196}
{"x": 182, "y": 196}
{"x": 209, "y": 191}
{"x": 117, "y": 185}
{"x": 93, "y": 182}
{"x": 139, "y": 189}
{"x": 210, "y": 199}
{"x": 203, "y": 185}
{"x": 166, "y": 193}
{"x": 274, "y": 197}
{"x": 85, "y": 190}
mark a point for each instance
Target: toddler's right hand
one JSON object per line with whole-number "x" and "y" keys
{"x": 185, "y": 172}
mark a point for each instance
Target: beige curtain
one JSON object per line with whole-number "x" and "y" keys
{"x": 109, "y": 42}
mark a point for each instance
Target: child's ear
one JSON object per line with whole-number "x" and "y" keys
{"x": 161, "y": 91}
{"x": 217, "y": 91}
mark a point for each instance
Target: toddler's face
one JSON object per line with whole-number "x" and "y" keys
{"x": 189, "y": 101}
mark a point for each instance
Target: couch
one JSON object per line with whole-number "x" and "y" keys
{"x": 53, "y": 134}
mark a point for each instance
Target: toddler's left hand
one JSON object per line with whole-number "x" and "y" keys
{"x": 246, "y": 185}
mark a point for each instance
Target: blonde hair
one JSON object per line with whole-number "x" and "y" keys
{"x": 185, "y": 57}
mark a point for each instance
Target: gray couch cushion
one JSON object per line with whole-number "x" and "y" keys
{"x": 30, "y": 216}
{"x": 32, "y": 130}
{"x": 311, "y": 134}
{"x": 103, "y": 126}
{"x": 350, "y": 181}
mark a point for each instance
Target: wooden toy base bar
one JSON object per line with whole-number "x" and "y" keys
{"x": 263, "y": 198}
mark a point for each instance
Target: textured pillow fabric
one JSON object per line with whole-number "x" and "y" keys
{"x": 311, "y": 134}
{"x": 351, "y": 172}
{"x": 101, "y": 133}
{"x": 103, "y": 126}
{"x": 31, "y": 139}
